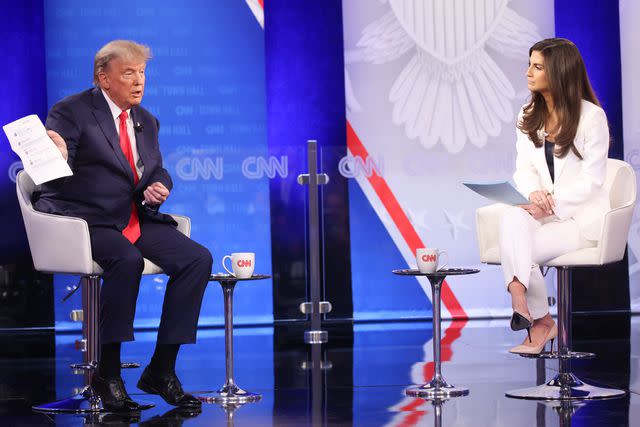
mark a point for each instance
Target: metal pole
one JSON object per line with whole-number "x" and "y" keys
{"x": 564, "y": 319}
{"x": 315, "y": 307}
{"x": 435, "y": 300}
{"x": 91, "y": 335}
{"x": 91, "y": 313}
{"x": 437, "y": 413}
{"x": 314, "y": 234}
{"x": 316, "y": 386}
{"x": 227, "y": 289}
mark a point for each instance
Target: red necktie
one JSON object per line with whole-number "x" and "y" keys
{"x": 132, "y": 230}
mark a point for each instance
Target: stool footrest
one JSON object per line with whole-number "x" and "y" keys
{"x": 129, "y": 365}
{"x": 81, "y": 367}
{"x": 557, "y": 355}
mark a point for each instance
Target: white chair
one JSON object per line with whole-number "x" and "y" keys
{"x": 621, "y": 184}
{"x": 61, "y": 244}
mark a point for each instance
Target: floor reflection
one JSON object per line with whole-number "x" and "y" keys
{"x": 357, "y": 379}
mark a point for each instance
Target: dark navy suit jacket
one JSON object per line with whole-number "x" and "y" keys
{"x": 102, "y": 187}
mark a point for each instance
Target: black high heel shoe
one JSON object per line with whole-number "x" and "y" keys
{"x": 519, "y": 322}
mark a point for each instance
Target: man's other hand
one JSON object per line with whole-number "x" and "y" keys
{"x": 60, "y": 144}
{"x": 156, "y": 194}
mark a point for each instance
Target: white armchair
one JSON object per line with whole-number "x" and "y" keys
{"x": 61, "y": 244}
{"x": 621, "y": 184}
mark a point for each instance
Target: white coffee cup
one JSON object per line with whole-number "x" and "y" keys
{"x": 428, "y": 259}
{"x": 242, "y": 264}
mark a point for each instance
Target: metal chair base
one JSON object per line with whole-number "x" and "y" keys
{"x": 565, "y": 387}
{"x": 87, "y": 401}
{"x": 230, "y": 394}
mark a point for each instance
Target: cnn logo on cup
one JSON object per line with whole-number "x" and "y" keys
{"x": 428, "y": 259}
{"x": 242, "y": 264}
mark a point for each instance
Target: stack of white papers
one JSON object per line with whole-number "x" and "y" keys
{"x": 501, "y": 192}
{"x": 40, "y": 157}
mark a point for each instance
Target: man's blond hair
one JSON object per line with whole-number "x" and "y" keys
{"x": 125, "y": 49}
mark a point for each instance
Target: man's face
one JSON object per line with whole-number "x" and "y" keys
{"x": 123, "y": 80}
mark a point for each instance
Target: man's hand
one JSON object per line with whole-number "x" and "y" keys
{"x": 535, "y": 211}
{"x": 60, "y": 144}
{"x": 543, "y": 200}
{"x": 156, "y": 194}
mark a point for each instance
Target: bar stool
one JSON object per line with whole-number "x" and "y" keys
{"x": 47, "y": 235}
{"x": 621, "y": 185}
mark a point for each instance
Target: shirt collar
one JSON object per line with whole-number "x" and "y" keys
{"x": 115, "y": 110}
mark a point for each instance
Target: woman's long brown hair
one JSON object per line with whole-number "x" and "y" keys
{"x": 569, "y": 85}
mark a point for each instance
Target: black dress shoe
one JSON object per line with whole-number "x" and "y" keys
{"x": 113, "y": 394}
{"x": 168, "y": 386}
{"x": 520, "y": 322}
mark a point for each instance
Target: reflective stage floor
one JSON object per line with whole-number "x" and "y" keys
{"x": 360, "y": 380}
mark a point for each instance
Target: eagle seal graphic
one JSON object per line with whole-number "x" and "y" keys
{"x": 451, "y": 91}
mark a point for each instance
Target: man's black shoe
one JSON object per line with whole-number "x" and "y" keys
{"x": 168, "y": 386}
{"x": 113, "y": 394}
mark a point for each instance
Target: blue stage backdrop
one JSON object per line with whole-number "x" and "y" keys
{"x": 206, "y": 85}
{"x": 22, "y": 93}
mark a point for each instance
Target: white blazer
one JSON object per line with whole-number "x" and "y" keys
{"x": 578, "y": 190}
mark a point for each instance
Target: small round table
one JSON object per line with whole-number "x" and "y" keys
{"x": 437, "y": 388}
{"x": 230, "y": 392}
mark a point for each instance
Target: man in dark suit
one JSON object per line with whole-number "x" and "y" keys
{"x": 118, "y": 183}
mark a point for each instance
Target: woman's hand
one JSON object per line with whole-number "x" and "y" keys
{"x": 536, "y": 211}
{"x": 543, "y": 200}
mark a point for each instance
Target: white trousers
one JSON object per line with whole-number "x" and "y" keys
{"x": 526, "y": 243}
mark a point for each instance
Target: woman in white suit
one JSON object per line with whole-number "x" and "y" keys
{"x": 562, "y": 146}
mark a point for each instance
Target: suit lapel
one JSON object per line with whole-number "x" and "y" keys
{"x": 102, "y": 113}
{"x": 541, "y": 164}
{"x": 558, "y": 165}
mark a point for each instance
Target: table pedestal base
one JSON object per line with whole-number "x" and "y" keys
{"x": 436, "y": 390}
{"x": 230, "y": 393}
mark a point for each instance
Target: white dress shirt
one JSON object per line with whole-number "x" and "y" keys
{"x": 115, "y": 113}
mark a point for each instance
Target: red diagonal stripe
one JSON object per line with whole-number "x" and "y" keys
{"x": 413, "y": 418}
{"x": 452, "y": 333}
{"x": 413, "y": 405}
{"x": 400, "y": 219}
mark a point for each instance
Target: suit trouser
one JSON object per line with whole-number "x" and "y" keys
{"x": 526, "y": 243}
{"x": 187, "y": 263}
